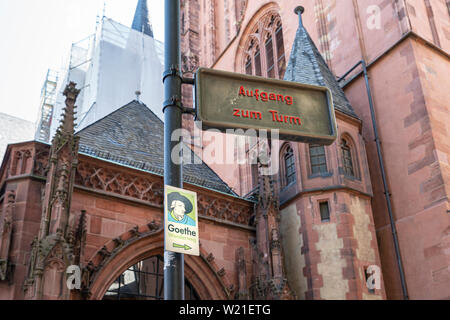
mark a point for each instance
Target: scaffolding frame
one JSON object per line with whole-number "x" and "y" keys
{"x": 47, "y": 106}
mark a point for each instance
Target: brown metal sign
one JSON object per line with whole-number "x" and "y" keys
{"x": 300, "y": 112}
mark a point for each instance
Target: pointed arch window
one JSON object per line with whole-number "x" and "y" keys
{"x": 288, "y": 172}
{"x": 269, "y": 57}
{"x": 249, "y": 66}
{"x": 253, "y": 60}
{"x": 266, "y": 49}
{"x": 280, "y": 51}
{"x": 347, "y": 158}
{"x": 258, "y": 70}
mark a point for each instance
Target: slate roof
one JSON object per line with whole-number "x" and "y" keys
{"x": 133, "y": 136}
{"x": 306, "y": 65}
{"x": 141, "y": 21}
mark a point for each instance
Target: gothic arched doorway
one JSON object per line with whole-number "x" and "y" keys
{"x": 137, "y": 248}
{"x": 144, "y": 281}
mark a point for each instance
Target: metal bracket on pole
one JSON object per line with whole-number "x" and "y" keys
{"x": 189, "y": 111}
{"x": 175, "y": 72}
{"x": 173, "y": 102}
{"x": 190, "y": 81}
{"x": 172, "y": 72}
{"x": 176, "y": 102}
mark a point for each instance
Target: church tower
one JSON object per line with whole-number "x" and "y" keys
{"x": 116, "y": 65}
{"x": 141, "y": 21}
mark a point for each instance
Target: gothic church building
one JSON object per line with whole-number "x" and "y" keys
{"x": 93, "y": 198}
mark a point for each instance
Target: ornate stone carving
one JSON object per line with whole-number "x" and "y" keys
{"x": 6, "y": 230}
{"x": 240, "y": 7}
{"x": 109, "y": 250}
{"x": 275, "y": 243}
{"x": 104, "y": 252}
{"x": 109, "y": 180}
{"x": 189, "y": 62}
{"x": 57, "y": 245}
{"x": 20, "y": 162}
{"x": 78, "y": 240}
{"x": 153, "y": 226}
{"x": 41, "y": 158}
{"x": 223, "y": 209}
{"x": 242, "y": 293}
{"x": 269, "y": 281}
{"x": 221, "y": 272}
{"x": 210, "y": 258}
{"x": 118, "y": 242}
{"x": 151, "y": 190}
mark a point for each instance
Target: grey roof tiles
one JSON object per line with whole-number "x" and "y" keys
{"x": 306, "y": 65}
{"x": 133, "y": 136}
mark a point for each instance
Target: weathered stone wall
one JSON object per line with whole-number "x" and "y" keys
{"x": 121, "y": 204}
{"x": 409, "y": 93}
{"x": 294, "y": 248}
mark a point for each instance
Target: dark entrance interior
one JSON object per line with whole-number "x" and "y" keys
{"x": 144, "y": 281}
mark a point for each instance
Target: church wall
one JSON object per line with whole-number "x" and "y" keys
{"x": 229, "y": 58}
{"x": 429, "y": 19}
{"x": 223, "y": 242}
{"x": 294, "y": 247}
{"x": 28, "y": 217}
{"x": 433, "y": 71}
{"x": 429, "y": 218}
{"x": 26, "y": 214}
{"x": 342, "y": 31}
{"x": 109, "y": 216}
{"x": 409, "y": 88}
{"x": 332, "y": 255}
{"x": 335, "y": 279}
{"x": 323, "y": 260}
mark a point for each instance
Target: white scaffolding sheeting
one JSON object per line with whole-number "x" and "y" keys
{"x": 110, "y": 67}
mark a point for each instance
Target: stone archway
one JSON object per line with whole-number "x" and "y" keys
{"x": 141, "y": 243}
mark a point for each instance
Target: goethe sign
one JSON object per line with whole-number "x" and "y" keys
{"x": 300, "y": 112}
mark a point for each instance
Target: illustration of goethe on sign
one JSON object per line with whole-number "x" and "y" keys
{"x": 179, "y": 208}
{"x": 181, "y": 221}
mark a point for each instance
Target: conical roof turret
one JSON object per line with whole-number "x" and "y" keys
{"x": 141, "y": 21}
{"x": 306, "y": 65}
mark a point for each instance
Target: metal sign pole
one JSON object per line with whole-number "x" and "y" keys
{"x": 173, "y": 262}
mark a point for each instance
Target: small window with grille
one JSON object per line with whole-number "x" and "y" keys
{"x": 317, "y": 159}
{"x": 324, "y": 211}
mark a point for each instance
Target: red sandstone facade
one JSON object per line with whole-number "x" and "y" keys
{"x": 406, "y": 47}
{"x": 117, "y": 228}
{"x": 278, "y": 247}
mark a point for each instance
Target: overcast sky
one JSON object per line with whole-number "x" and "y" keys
{"x": 37, "y": 35}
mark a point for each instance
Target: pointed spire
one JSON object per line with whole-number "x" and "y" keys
{"x": 68, "y": 122}
{"x": 141, "y": 21}
{"x": 306, "y": 65}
